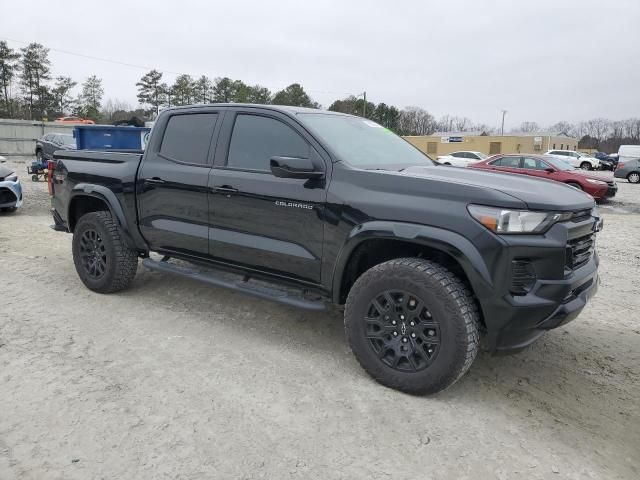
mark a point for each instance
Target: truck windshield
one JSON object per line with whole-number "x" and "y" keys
{"x": 363, "y": 143}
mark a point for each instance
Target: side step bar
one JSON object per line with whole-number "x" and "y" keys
{"x": 240, "y": 285}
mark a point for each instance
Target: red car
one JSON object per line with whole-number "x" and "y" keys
{"x": 552, "y": 168}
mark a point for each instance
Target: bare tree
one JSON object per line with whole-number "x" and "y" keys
{"x": 529, "y": 127}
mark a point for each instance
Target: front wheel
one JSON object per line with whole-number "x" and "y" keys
{"x": 633, "y": 177}
{"x": 412, "y": 325}
{"x": 585, "y": 166}
{"x": 104, "y": 262}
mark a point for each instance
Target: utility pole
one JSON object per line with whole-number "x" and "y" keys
{"x": 504, "y": 112}
{"x": 364, "y": 110}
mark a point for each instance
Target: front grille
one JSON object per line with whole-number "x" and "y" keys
{"x": 523, "y": 276}
{"x": 579, "y": 251}
{"x": 6, "y": 196}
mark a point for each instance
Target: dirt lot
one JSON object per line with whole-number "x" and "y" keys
{"x": 174, "y": 379}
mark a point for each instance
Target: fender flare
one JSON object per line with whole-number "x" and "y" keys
{"x": 115, "y": 208}
{"x": 446, "y": 241}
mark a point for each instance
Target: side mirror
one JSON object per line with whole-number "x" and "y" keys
{"x": 291, "y": 167}
{"x": 549, "y": 170}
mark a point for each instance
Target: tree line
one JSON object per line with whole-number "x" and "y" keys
{"x": 40, "y": 96}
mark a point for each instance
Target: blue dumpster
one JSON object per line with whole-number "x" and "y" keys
{"x": 109, "y": 137}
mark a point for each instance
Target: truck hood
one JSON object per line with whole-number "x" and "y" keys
{"x": 536, "y": 193}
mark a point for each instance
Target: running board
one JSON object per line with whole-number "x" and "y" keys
{"x": 240, "y": 285}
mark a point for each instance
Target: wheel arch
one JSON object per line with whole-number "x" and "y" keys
{"x": 86, "y": 198}
{"x": 376, "y": 242}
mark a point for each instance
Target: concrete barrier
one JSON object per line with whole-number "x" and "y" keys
{"x": 18, "y": 137}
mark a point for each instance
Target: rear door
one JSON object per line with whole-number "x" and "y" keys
{"x": 259, "y": 220}
{"x": 172, "y": 185}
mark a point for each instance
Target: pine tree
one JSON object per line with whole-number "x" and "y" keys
{"x": 91, "y": 97}
{"x": 8, "y": 67}
{"x": 150, "y": 91}
{"x": 33, "y": 77}
{"x": 61, "y": 93}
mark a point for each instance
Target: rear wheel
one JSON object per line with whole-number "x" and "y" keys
{"x": 104, "y": 262}
{"x": 585, "y": 166}
{"x": 575, "y": 185}
{"x": 633, "y": 177}
{"x": 412, "y": 325}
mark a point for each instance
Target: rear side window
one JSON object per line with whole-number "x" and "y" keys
{"x": 509, "y": 162}
{"x": 187, "y": 137}
{"x": 256, "y": 139}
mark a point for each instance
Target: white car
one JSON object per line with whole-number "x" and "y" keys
{"x": 462, "y": 159}
{"x": 576, "y": 159}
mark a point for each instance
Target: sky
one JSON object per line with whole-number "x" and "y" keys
{"x": 541, "y": 60}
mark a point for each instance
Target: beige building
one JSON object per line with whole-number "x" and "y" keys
{"x": 447, "y": 142}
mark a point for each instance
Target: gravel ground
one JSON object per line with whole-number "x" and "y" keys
{"x": 175, "y": 379}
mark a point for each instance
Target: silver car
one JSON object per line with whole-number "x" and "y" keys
{"x": 10, "y": 190}
{"x": 629, "y": 169}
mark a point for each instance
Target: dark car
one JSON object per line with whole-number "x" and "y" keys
{"x": 550, "y": 168}
{"x": 607, "y": 162}
{"x": 308, "y": 207}
{"x": 51, "y": 142}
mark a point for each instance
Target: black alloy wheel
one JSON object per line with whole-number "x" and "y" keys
{"x": 402, "y": 331}
{"x": 93, "y": 254}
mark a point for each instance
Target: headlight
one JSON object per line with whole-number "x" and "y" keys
{"x": 596, "y": 182}
{"x": 504, "y": 221}
{"x": 12, "y": 177}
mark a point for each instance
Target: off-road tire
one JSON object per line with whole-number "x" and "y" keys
{"x": 450, "y": 302}
{"x": 121, "y": 261}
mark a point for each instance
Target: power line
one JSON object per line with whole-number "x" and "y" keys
{"x": 143, "y": 67}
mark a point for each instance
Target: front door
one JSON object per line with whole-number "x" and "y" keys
{"x": 259, "y": 220}
{"x": 535, "y": 167}
{"x": 172, "y": 185}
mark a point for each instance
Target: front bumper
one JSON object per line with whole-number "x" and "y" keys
{"x": 563, "y": 266}
{"x": 611, "y": 191}
{"x": 537, "y": 312}
{"x": 10, "y": 194}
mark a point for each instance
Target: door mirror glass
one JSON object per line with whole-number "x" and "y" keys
{"x": 292, "y": 167}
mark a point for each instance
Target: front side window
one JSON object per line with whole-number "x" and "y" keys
{"x": 255, "y": 139}
{"x": 534, "y": 163}
{"x": 187, "y": 137}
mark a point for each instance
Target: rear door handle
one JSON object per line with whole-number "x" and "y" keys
{"x": 154, "y": 180}
{"x": 226, "y": 189}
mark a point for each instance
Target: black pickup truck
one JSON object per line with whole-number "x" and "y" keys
{"x": 309, "y": 207}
